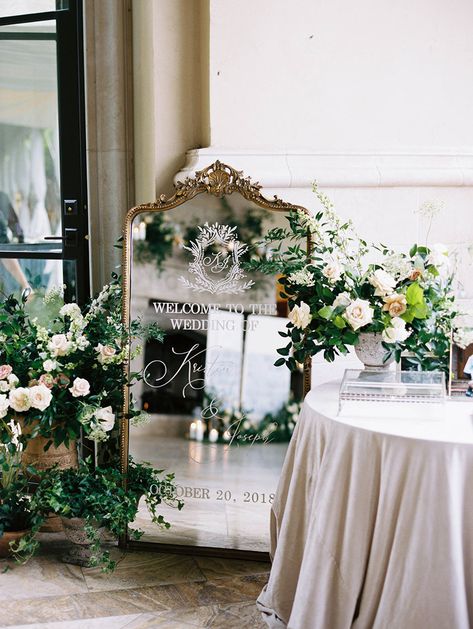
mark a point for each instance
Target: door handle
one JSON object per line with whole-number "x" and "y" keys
{"x": 69, "y": 239}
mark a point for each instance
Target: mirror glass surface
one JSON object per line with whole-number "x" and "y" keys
{"x": 221, "y": 412}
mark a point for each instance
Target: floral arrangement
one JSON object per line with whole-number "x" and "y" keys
{"x": 334, "y": 296}
{"x": 61, "y": 371}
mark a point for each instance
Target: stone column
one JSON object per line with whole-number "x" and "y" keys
{"x": 109, "y": 120}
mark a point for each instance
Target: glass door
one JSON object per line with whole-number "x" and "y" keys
{"x": 43, "y": 212}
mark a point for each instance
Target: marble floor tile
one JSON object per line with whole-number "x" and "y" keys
{"x": 42, "y": 576}
{"x": 139, "y": 569}
{"x": 131, "y": 621}
{"x": 112, "y": 622}
{"x": 150, "y": 621}
{"x": 217, "y": 567}
{"x": 222, "y": 591}
{"x": 87, "y": 606}
{"x": 236, "y": 616}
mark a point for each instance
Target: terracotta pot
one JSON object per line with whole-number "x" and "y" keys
{"x": 371, "y": 351}
{"x": 80, "y": 551}
{"x": 6, "y": 538}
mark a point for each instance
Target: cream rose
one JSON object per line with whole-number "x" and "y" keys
{"x": 49, "y": 365}
{"x": 395, "y": 304}
{"x": 59, "y": 345}
{"x": 342, "y": 300}
{"x": 383, "y": 282}
{"x": 300, "y": 315}
{"x": 80, "y": 387}
{"x": 20, "y": 399}
{"x": 13, "y": 380}
{"x": 5, "y": 371}
{"x": 105, "y": 353}
{"x": 4, "y": 386}
{"x": 40, "y": 397}
{"x": 397, "y": 332}
{"x": 4, "y": 404}
{"x": 332, "y": 270}
{"x": 359, "y": 313}
{"x": 106, "y": 418}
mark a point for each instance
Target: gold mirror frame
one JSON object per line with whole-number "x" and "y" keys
{"x": 218, "y": 180}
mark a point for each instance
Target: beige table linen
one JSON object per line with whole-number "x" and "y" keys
{"x": 372, "y": 525}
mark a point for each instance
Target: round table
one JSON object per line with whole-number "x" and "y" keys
{"x": 372, "y": 525}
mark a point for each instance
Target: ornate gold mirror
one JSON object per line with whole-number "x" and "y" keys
{"x": 221, "y": 413}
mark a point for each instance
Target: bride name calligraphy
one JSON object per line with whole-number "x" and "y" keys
{"x": 189, "y": 369}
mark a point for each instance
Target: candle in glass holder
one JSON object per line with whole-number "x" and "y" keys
{"x": 192, "y": 430}
{"x": 199, "y": 430}
{"x": 213, "y": 435}
{"x": 142, "y": 231}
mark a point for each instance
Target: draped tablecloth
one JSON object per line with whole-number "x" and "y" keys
{"x": 372, "y": 525}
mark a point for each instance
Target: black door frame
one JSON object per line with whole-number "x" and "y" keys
{"x": 72, "y": 148}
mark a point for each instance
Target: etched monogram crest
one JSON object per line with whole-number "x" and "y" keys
{"x": 216, "y": 264}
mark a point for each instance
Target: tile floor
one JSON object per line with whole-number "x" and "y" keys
{"x": 146, "y": 590}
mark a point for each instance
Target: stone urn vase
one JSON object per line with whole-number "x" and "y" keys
{"x": 80, "y": 551}
{"x": 371, "y": 351}
{"x": 6, "y": 538}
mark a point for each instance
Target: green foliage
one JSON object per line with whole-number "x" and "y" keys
{"x": 160, "y": 237}
{"x": 103, "y": 497}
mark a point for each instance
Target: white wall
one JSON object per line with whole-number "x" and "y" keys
{"x": 335, "y": 75}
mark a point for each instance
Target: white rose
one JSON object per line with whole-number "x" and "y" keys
{"x": 4, "y": 404}
{"x": 343, "y": 299}
{"x": 106, "y": 418}
{"x": 40, "y": 397}
{"x": 300, "y": 315}
{"x": 59, "y": 345}
{"x": 383, "y": 282}
{"x": 80, "y": 387}
{"x": 13, "y": 380}
{"x": 70, "y": 310}
{"x": 105, "y": 353}
{"x": 20, "y": 399}
{"x": 396, "y": 333}
{"x": 359, "y": 313}
{"x": 332, "y": 270}
{"x": 49, "y": 365}
{"x": 4, "y": 386}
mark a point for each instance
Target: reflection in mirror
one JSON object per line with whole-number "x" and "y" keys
{"x": 462, "y": 359}
{"x": 221, "y": 413}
